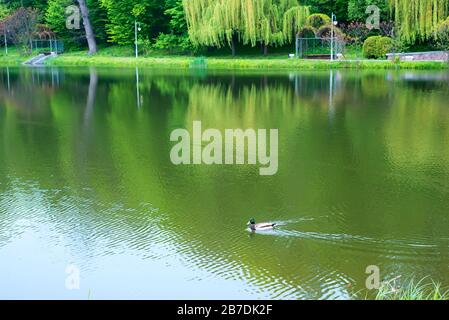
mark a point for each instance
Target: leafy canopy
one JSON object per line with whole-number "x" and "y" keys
{"x": 217, "y": 22}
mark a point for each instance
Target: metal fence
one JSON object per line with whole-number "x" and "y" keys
{"x": 309, "y": 48}
{"x": 52, "y": 45}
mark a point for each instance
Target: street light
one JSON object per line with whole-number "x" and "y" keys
{"x": 6, "y": 42}
{"x": 334, "y": 23}
{"x": 137, "y": 28}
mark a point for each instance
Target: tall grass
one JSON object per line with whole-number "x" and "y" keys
{"x": 423, "y": 289}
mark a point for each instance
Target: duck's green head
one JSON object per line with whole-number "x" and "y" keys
{"x": 252, "y": 221}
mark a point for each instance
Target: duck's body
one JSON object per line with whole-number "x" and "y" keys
{"x": 260, "y": 226}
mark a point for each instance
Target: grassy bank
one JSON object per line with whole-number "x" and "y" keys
{"x": 14, "y": 57}
{"x": 237, "y": 63}
{"x": 123, "y": 57}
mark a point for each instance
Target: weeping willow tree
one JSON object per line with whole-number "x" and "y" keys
{"x": 224, "y": 22}
{"x": 419, "y": 19}
{"x": 272, "y": 22}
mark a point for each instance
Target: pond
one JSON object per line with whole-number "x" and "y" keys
{"x": 88, "y": 190}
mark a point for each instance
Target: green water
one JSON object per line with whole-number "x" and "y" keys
{"x": 86, "y": 180}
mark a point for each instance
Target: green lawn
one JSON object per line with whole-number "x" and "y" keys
{"x": 124, "y": 57}
{"x": 237, "y": 63}
{"x": 14, "y": 57}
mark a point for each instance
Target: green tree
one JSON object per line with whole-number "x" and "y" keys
{"x": 419, "y": 20}
{"x": 122, "y": 14}
{"x": 15, "y": 4}
{"x": 338, "y": 7}
{"x": 175, "y": 11}
{"x": 220, "y": 22}
{"x": 98, "y": 18}
{"x": 56, "y": 16}
{"x": 357, "y": 9}
{"x": 176, "y": 38}
{"x": 4, "y": 11}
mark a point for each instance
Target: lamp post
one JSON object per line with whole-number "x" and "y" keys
{"x": 137, "y": 28}
{"x": 334, "y": 23}
{"x": 6, "y": 42}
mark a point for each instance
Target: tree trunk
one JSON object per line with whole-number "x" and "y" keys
{"x": 234, "y": 44}
{"x": 264, "y": 48}
{"x": 88, "y": 27}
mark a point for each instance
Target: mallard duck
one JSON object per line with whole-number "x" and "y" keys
{"x": 260, "y": 226}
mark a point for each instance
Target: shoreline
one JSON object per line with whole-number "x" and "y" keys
{"x": 185, "y": 62}
{"x": 242, "y": 63}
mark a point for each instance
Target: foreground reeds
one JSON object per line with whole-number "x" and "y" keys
{"x": 411, "y": 289}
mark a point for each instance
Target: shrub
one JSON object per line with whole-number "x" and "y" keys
{"x": 318, "y": 20}
{"x": 145, "y": 46}
{"x": 326, "y": 31}
{"x": 307, "y": 32}
{"x": 173, "y": 43}
{"x": 377, "y": 47}
{"x": 386, "y": 28}
{"x": 356, "y": 32}
{"x": 443, "y": 35}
